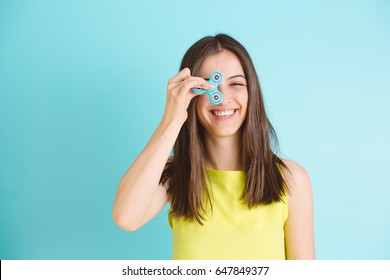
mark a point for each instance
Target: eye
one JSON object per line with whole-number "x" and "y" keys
{"x": 237, "y": 84}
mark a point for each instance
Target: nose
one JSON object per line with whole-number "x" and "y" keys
{"x": 227, "y": 96}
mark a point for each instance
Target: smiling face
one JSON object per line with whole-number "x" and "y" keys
{"x": 225, "y": 119}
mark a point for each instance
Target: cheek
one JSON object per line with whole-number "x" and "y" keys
{"x": 242, "y": 98}
{"x": 202, "y": 102}
{"x": 201, "y": 108}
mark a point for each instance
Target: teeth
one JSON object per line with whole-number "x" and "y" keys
{"x": 226, "y": 113}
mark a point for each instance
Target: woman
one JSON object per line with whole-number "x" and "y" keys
{"x": 231, "y": 197}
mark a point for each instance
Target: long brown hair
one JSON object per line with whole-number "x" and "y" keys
{"x": 185, "y": 172}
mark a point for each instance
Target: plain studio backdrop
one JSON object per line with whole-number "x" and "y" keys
{"x": 83, "y": 85}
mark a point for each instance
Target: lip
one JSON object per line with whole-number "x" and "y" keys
{"x": 221, "y": 110}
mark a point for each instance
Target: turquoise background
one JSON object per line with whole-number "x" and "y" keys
{"x": 82, "y": 88}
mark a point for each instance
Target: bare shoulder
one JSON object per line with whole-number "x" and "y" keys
{"x": 299, "y": 226}
{"x": 296, "y": 176}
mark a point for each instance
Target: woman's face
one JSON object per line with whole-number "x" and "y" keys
{"x": 226, "y": 118}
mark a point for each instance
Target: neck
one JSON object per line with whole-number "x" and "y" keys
{"x": 224, "y": 153}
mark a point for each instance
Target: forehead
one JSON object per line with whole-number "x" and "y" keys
{"x": 224, "y": 61}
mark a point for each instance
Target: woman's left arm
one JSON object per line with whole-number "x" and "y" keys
{"x": 299, "y": 226}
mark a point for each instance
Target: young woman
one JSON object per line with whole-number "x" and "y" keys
{"x": 231, "y": 196}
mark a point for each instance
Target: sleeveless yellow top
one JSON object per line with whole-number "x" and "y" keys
{"x": 231, "y": 230}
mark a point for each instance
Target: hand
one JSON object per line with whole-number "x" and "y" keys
{"x": 180, "y": 94}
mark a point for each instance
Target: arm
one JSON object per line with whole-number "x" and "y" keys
{"x": 140, "y": 196}
{"x": 299, "y": 227}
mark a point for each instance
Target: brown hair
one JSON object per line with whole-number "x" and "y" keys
{"x": 186, "y": 171}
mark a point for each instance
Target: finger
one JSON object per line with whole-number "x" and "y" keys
{"x": 195, "y": 82}
{"x": 181, "y": 76}
{"x": 192, "y": 81}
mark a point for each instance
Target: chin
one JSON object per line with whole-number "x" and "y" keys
{"x": 226, "y": 133}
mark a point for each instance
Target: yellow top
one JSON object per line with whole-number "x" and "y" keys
{"x": 231, "y": 230}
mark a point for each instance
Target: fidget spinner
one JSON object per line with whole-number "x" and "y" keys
{"x": 215, "y": 95}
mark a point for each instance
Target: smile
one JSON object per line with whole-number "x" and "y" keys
{"x": 223, "y": 113}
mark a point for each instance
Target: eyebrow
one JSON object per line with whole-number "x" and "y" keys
{"x": 236, "y": 76}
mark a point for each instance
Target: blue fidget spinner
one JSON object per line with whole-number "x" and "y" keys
{"x": 215, "y": 95}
